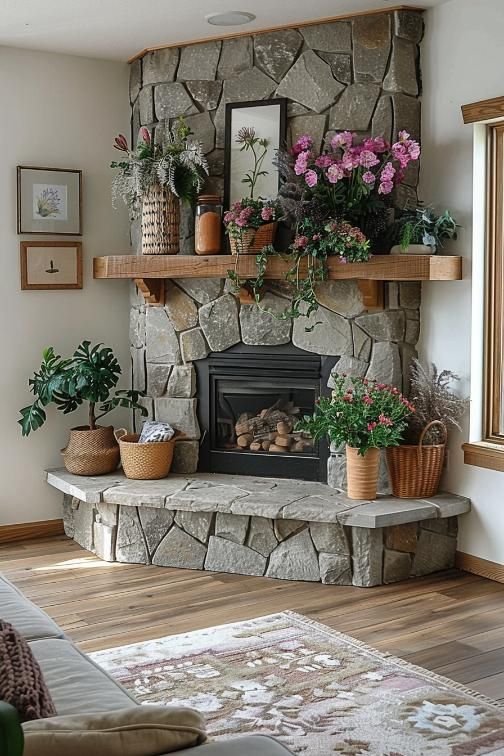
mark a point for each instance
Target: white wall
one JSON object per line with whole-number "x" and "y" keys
{"x": 60, "y": 111}
{"x": 461, "y": 63}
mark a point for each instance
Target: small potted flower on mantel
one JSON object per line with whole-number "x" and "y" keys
{"x": 366, "y": 416}
{"x": 251, "y": 221}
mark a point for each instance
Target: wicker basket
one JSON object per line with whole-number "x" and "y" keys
{"x": 415, "y": 471}
{"x": 252, "y": 241}
{"x": 160, "y": 222}
{"x": 149, "y": 461}
{"x": 91, "y": 452}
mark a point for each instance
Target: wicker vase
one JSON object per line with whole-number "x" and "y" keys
{"x": 91, "y": 452}
{"x": 252, "y": 241}
{"x": 362, "y": 473}
{"x": 160, "y": 222}
{"x": 415, "y": 471}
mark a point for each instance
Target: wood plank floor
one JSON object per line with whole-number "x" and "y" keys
{"x": 452, "y": 623}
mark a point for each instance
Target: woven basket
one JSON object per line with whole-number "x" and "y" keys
{"x": 252, "y": 241}
{"x": 91, "y": 452}
{"x": 415, "y": 470}
{"x": 149, "y": 461}
{"x": 160, "y": 222}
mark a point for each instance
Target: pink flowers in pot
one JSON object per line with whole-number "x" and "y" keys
{"x": 361, "y": 413}
{"x": 250, "y": 213}
{"x": 370, "y": 167}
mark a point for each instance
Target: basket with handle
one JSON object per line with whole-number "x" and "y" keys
{"x": 415, "y": 470}
{"x": 149, "y": 461}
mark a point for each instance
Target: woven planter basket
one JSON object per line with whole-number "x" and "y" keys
{"x": 252, "y": 241}
{"x": 362, "y": 473}
{"x": 160, "y": 222}
{"x": 415, "y": 471}
{"x": 149, "y": 461}
{"x": 91, "y": 452}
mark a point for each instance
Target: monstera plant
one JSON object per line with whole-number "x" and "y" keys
{"x": 89, "y": 376}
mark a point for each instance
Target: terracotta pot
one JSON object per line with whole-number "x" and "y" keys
{"x": 252, "y": 241}
{"x": 362, "y": 473}
{"x": 92, "y": 452}
{"x": 413, "y": 249}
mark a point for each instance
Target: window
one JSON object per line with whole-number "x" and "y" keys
{"x": 489, "y": 451}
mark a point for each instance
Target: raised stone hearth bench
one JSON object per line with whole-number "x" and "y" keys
{"x": 288, "y": 529}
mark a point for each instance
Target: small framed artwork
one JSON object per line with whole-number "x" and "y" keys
{"x": 49, "y": 201}
{"x": 268, "y": 120}
{"x": 51, "y": 265}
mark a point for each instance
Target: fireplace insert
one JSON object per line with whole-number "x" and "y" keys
{"x": 249, "y": 402}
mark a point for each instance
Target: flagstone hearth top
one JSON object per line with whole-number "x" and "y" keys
{"x": 262, "y": 497}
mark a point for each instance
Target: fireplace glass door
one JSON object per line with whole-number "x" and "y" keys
{"x": 250, "y": 406}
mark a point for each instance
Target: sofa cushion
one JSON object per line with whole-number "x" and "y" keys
{"x": 21, "y": 681}
{"x": 77, "y": 685}
{"x": 30, "y": 621}
{"x": 138, "y": 731}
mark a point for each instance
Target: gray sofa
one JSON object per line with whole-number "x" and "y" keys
{"x": 79, "y": 686}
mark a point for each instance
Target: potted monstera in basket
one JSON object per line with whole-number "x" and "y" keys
{"x": 366, "y": 416}
{"x": 157, "y": 176}
{"x": 415, "y": 468}
{"x": 89, "y": 375}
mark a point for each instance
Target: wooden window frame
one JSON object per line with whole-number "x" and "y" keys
{"x": 489, "y": 452}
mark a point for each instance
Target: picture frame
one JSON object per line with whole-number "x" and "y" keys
{"x": 49, "y": 201}
{"x": 48, "y": 265}
{"x": 269, "y": 119}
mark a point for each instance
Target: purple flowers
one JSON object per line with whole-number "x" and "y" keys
{"x": 267, "y": 213}
{"x": 301, "y": 164}
{"x": 387, "y": 179}
{"x": 373, "y": 166}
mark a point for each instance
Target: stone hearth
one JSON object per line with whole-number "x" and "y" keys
{"x": 287, "y": 529}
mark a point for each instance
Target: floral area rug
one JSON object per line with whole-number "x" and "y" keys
{"x": 317, "y": 691}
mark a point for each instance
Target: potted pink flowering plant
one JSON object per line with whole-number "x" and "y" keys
{"x": 251, "y": 222}
{"x": 366, "y": 416}
{"x": 352, "y": 180}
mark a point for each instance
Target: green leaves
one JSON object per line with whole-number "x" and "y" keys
{"x": 88, "y": 376}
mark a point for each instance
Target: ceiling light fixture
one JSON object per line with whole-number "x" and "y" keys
{"x": 230, "y": 18}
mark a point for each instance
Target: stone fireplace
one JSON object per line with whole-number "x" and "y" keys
{"x": 360, "y": 74}
{"x": 182, "y": 352}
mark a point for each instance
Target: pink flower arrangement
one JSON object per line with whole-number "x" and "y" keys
{"x": 370, "y": 166}
{"x": 361, "y": 413}
{"x": 250, "y": 213}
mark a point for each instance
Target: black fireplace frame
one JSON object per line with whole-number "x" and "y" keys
{"x": 312, "y": 370}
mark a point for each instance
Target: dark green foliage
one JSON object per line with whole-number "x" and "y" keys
{"x": 88, "y": 376}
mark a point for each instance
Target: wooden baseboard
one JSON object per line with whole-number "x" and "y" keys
{"x": 479, "y": 566}
{"x": 26, "y": 531}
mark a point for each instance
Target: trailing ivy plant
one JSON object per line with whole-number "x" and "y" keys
{"x": 89, "y": 376}
{"x": 308, "y": 255}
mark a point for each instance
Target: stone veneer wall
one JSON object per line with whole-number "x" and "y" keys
{"x": 360, "y": 74}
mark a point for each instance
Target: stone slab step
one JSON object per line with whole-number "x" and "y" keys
{"x": 262, "y": 497}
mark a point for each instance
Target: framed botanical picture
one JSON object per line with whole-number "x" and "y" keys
{"x": 268, "y": 120}
{"x": 51, "y": 265}
{"x": 49, "y": 201}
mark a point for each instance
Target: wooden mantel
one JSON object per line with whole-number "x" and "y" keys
{"x": 149, "y": 271}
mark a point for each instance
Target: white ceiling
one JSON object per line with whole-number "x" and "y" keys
{"x": 118, "y": 29}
